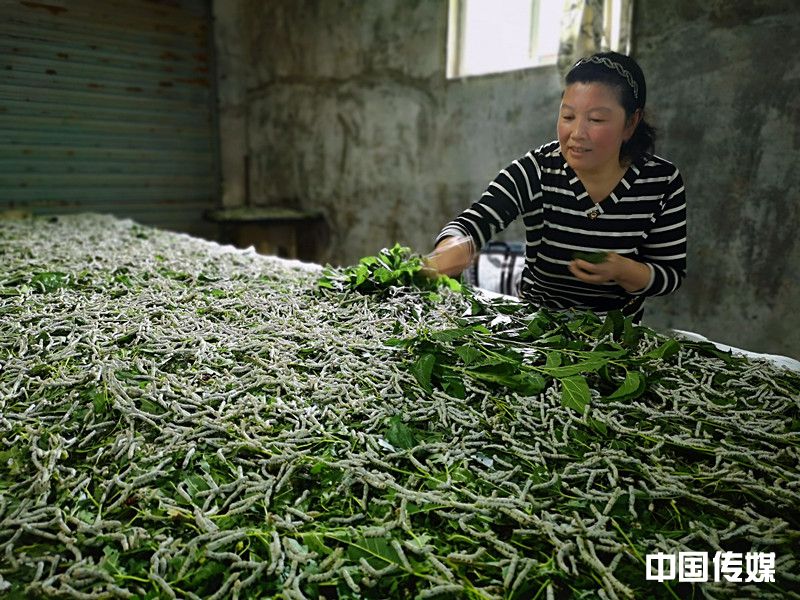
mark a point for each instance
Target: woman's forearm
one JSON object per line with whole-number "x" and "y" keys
{"x": 633, "y": 276}
{"x": 630, "y": 274}
{"x": 452, "y": 255}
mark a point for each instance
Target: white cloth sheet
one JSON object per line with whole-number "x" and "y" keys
{"x": 782, "y": 361}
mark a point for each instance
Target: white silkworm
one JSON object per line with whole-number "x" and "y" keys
{"x": 209, "y": 405}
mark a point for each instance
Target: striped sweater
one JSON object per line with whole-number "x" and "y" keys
{"x": 644, "y": 218}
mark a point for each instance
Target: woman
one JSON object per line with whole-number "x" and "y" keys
{"x": 598, "y": 188}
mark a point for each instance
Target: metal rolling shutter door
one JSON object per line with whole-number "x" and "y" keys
{"x": 107, "y": 106}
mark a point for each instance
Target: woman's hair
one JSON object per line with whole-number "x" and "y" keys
{"x": 624, "y": 74}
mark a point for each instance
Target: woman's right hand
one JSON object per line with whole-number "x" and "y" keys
{"x": 451, "y": 256}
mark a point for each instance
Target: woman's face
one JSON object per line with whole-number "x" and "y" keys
{"x": 592, "y": 127}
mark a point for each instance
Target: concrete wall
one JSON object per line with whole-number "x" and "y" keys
{"x": 343, "y": 106}
{"x": 725, "y": 77}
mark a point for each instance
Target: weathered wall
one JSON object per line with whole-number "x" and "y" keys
{"x": 343, "y": 106}
{"x": 726, "y": 82}
{"x": 347, "y": 110}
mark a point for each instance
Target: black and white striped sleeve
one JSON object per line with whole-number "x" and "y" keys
{"x": 508, "y": 196}
{"x": 664, "y": 248}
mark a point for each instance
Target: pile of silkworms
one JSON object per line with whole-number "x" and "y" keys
{"x": 180, "y": 419}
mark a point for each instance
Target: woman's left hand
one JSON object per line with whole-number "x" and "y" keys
{"x": 630, "y": 274}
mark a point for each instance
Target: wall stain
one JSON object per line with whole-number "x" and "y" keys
{"x": 53, "y": 10}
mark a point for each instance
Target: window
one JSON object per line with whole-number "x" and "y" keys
{"x": 487, "y": 36}
{"x": 491, "y": 36}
